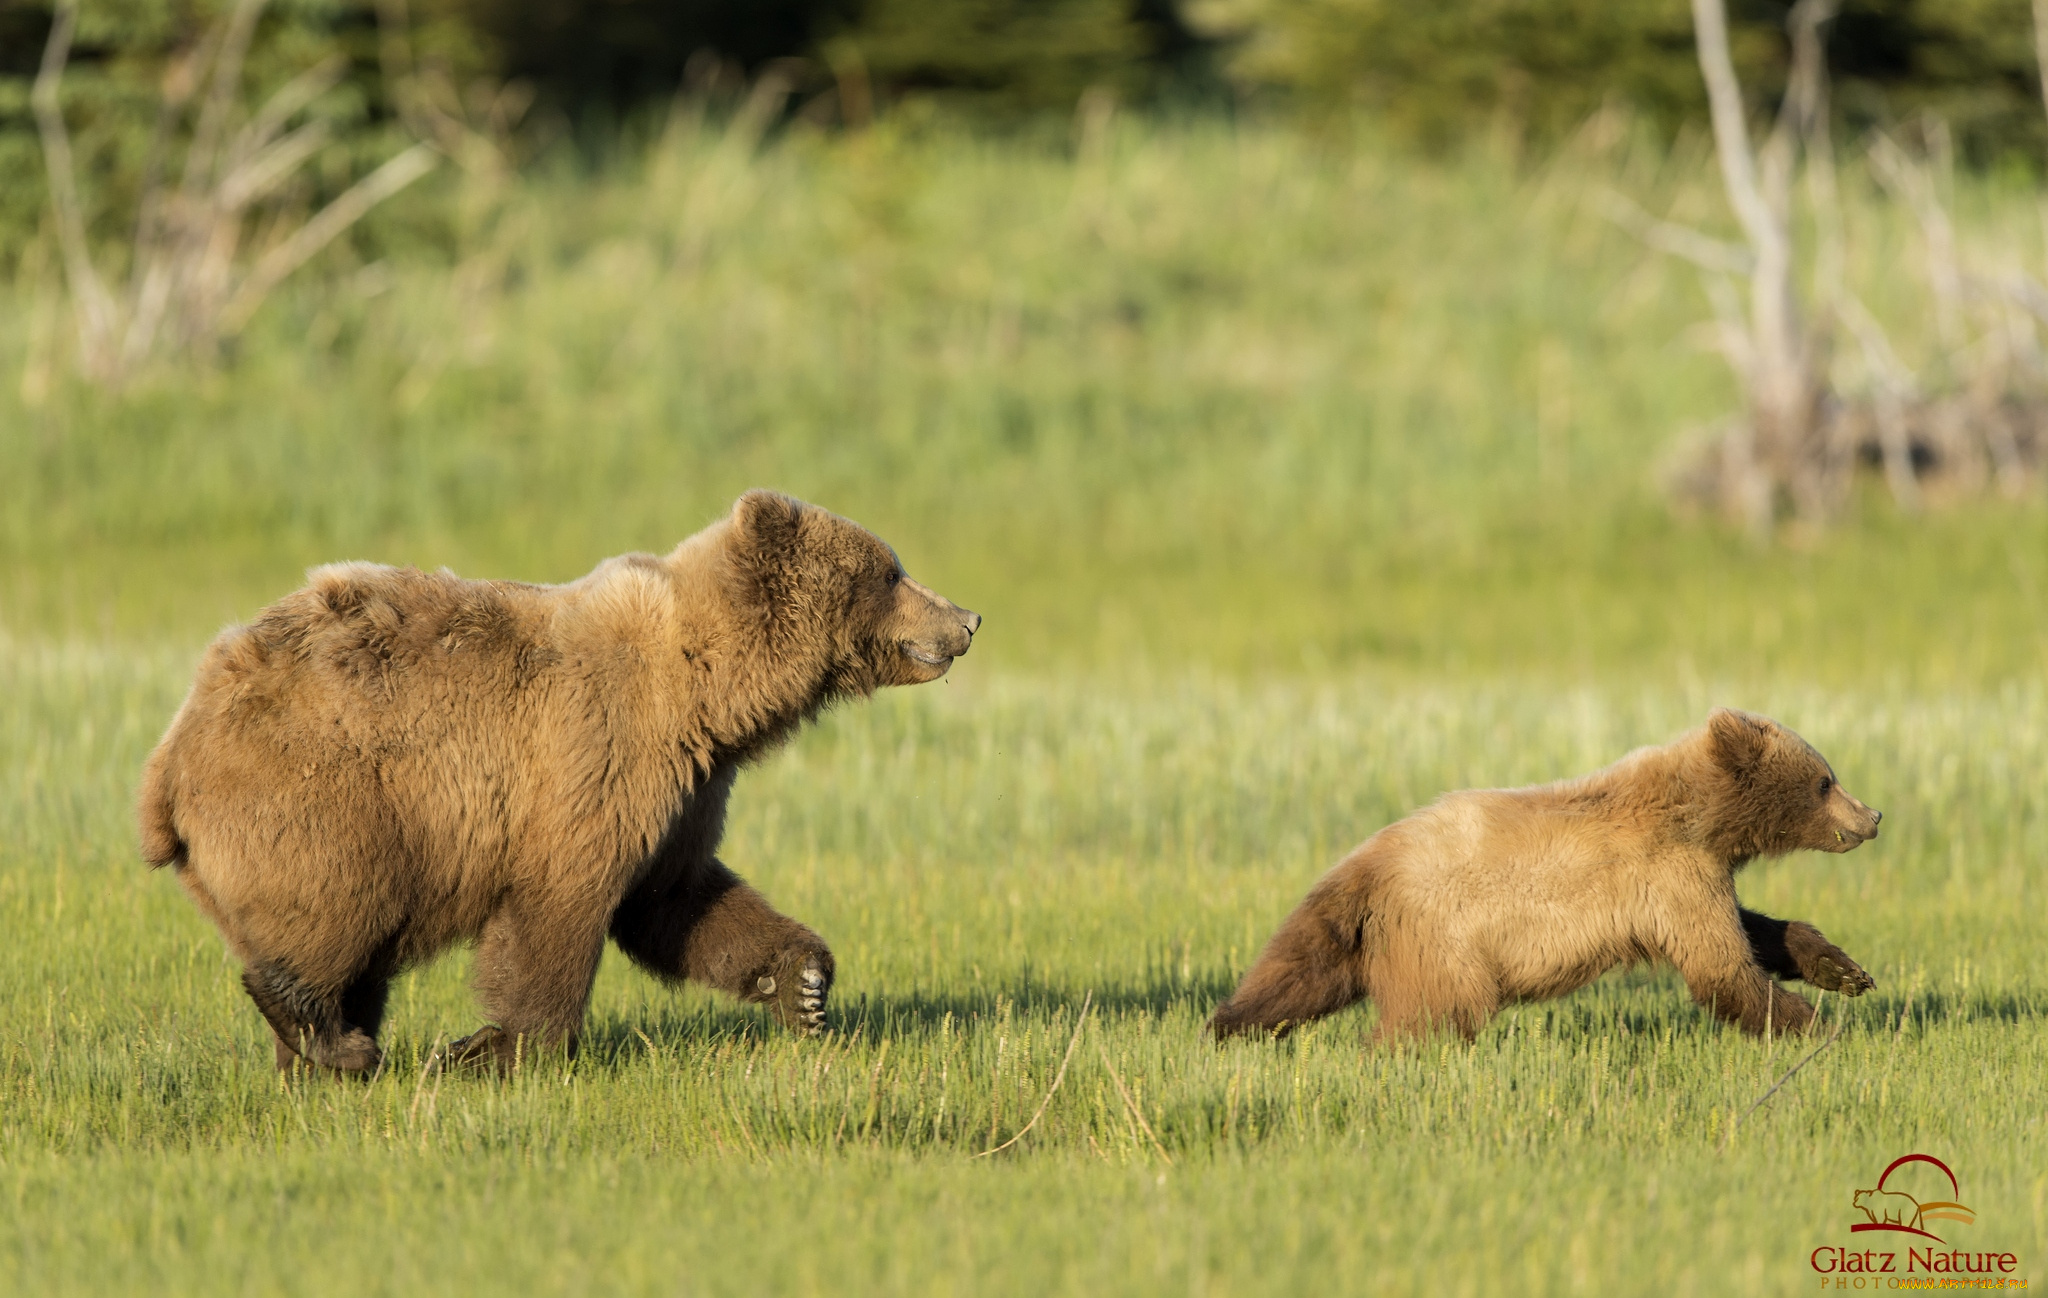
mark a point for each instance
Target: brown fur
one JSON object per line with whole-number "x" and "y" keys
{"x": 391, "y": 761}
{"x": 1493, "y": 896}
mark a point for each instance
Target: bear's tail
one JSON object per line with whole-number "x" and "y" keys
{"x": 153, "y": 814}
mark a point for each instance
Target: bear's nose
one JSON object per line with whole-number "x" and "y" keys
{"x": 972, "y": 621}
{"x": 1876, "y": 816}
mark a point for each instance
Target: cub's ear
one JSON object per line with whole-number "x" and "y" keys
{"x": 1740, "y": 738}
{"x": 765, "y": 523}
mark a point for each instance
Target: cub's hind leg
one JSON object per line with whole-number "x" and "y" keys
{"x": 312, "y": 1011}
{"x": 1422, "y": 986}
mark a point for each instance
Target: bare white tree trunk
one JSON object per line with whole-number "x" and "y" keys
{"x": 1782, "y": 446}
{"x": 93, "y": 304}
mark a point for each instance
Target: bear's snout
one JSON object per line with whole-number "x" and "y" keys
{"x": 933, "y": 630}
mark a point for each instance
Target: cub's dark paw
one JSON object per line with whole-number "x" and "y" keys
{"x": 798, "y": 990}
{"x": 1825, "y": 965}
{"x": 1836, "y": 972}
{"x": 1789, "y": 1014}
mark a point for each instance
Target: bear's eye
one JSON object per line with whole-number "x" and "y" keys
{"x": 1825, "y": 785}
{"x": 894, "y": 576}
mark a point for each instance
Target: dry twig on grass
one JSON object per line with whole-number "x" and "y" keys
{"x": 1783, "y": 1078}
{"x": 1080, "y": 1022}
{"x": 1131, "y": 1105}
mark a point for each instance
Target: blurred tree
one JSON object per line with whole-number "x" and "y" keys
{"x": 1435, "y": 70}
{"x": 607, "y": 56}
{"x": 602, "y": 59}
{"x": 112, "y": 92}
{"x": 1023, "y": 53}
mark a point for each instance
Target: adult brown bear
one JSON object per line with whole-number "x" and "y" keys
{"x": 390, "y": 761}
{"x": 1492, "y": 896}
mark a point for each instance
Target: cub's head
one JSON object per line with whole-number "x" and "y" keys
{"x": 1784, "y": 796}
{"x": 828, "y": 588}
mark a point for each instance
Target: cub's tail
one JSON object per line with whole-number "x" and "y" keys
{"x": 160, "y": 842}
{"x": 1312, "y": 967}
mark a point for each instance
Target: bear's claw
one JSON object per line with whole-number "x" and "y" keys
{"x": 1836, "y": 972}
{"x": 800, "y": 1006}
{"x": 355, "y": 1054}
{"x": 1823, "y": 964}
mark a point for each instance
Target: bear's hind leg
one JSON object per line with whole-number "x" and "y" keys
{"x": 711, "y": 927}
{"x": 1408, "y": 1018}
{"x": 534, "y": 968}
{"x": 308, "y": 1022}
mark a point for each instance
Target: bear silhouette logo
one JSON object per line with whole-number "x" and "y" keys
{"x": 1898, "y": 1211}
{"x": 1889, "y": 1208}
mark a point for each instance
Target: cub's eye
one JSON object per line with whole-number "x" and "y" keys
{"x": 1825, "y": 785}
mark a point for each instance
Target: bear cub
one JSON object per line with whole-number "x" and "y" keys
{"x": 1493, "y": 896}
{"x": 390, "y": 761}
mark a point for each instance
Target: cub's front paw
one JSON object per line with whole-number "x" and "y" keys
{"x": 1825, "y": 965}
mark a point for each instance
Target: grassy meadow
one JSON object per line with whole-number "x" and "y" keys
{"x": 1299, "y": 482}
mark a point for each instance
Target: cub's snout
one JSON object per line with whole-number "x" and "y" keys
{"x": 1853, "y": 823}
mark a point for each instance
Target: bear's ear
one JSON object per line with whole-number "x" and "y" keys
{"x": 1740, "y": 738}
{"x": 765, "y": 524}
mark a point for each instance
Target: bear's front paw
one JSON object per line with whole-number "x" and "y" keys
{"x": 1823, "y": 964}
{"x": 489, "y": 1049}
{"x": 798, "y": 990}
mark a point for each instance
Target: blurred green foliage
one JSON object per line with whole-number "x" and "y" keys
{"x": 112, "y": 94}
{"x": 1435, "y": 71}
{"x": 1432, "y": 71}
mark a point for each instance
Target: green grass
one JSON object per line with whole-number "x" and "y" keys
{"x": 1300, "y": 483}
{"x": 984, "y": 855}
